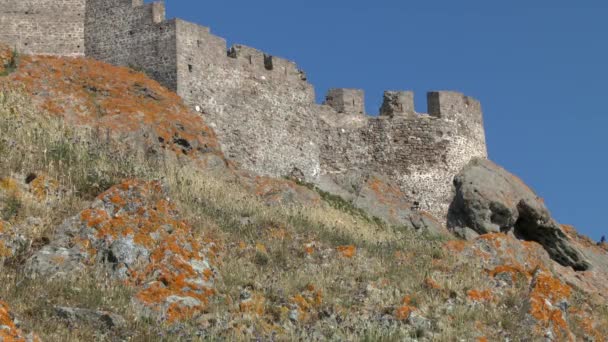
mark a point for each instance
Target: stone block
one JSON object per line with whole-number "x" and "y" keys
{"x": 398, "y": 103}
{"x": 347, "y": 101}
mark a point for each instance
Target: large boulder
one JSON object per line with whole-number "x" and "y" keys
{"x": 489, "y": 199}
{"x": 134, "y": 233}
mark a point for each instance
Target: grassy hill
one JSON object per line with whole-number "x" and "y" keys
{"x": 285, "y": 262}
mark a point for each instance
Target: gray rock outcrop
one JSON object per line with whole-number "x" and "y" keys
{"x": 133, "y": 233}
{"x": 100, "y": 319}
{"x": 489, "y": 199}
{"x": 382, "y": 199}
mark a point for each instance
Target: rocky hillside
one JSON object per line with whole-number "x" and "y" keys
{"x": 120, "y": 219}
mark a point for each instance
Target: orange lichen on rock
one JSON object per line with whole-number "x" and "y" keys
{"x": 585, "y": 322}
{"x": 113, "y": 99}
{"x": 9, "y": 185}
{"x": 282, "y": 191}
{"x": 43, "y": 186}
{"x": 347, "y": 251}
{"x": 455, "y": 246}
{"x": 429, "y": 283}
{"x": 151, "y": 248}
{"x": 494, "y": 238}
{"x": 8, "y": 329}
{"x": 385, "y": 193}
{"x": 480, "y": 295}
{"x": 306, "y": 302}
{"x": 404, "y": 311}
{"x": 515, "y": 271}
{"x": 255, "y": 305}
{"x": 546, "y": 296}
{"x": 309, "y": 248}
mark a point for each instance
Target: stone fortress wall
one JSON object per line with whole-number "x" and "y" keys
{"x": 53, "y": 27}
{"x": 264, "y": 110}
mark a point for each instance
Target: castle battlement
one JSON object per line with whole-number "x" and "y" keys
{"x": 346, "y": 101}
{"x": 261, "y": 106}
{"x": 397, "y": 103}
{"x": 257, "y": 60}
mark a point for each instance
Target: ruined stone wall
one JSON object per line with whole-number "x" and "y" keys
{"x": 421, "y": 153}
{"x": 131, "y": 33}
{"x": 260, "y": 106}
{"x": 52, "y": 27}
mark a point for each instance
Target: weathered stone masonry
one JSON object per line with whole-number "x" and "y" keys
{"x": 261, "y": 106}
{"x": 43, "y": 26}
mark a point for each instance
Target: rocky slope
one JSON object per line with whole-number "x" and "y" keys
{"x": 120, "y": 219}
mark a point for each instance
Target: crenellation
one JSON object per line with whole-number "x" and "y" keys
{"x": 261, "y": 106}
{"x": 249, "y": 57}
{"x": 158, "y": 12}
{"x": 398, "y": 103}
{"x": 450, "y": 105}
{"x": 110, "y": 4}
{"x": 346, "y": 101}
{"x": 271, "y": 66}
{"x": 286, "y": 69}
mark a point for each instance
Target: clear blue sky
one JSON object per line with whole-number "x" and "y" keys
{"x": 539, "y": 67}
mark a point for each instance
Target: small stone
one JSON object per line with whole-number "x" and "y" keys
{"x": 294, "y": 315}
{"x": 99, "y": 319}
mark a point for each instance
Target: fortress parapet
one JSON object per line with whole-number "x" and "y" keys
{"x": 249, "y": 56}
{"x": 398, "y": 103}
{"x": 257, "y": 60}
{"x": 451, "y": 105}
{"x": 346, "y": 101}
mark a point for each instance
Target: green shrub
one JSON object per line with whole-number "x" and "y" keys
{"x": 11, "y": 65}
{"x": 341, "y": 204}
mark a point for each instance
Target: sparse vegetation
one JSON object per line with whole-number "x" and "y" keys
{"x": 11, "y": 65}
{"x": 272, "y": 258}
{"x": 285, "y": 272}
{"x": 341, "y": 204}
{"x": 12, "y": 204}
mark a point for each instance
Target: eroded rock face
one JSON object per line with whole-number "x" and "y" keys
{"x": 381, "y": 198}
{"x": 133, "y": 233}
{"x": 279, "y": 191}
{"x": 489, "y": 200}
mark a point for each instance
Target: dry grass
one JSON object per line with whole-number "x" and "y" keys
{"x": 285, "y": 256}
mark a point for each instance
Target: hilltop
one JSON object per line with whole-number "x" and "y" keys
{"x": 121, "y": 218}
{"x": 262, "y": 107}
